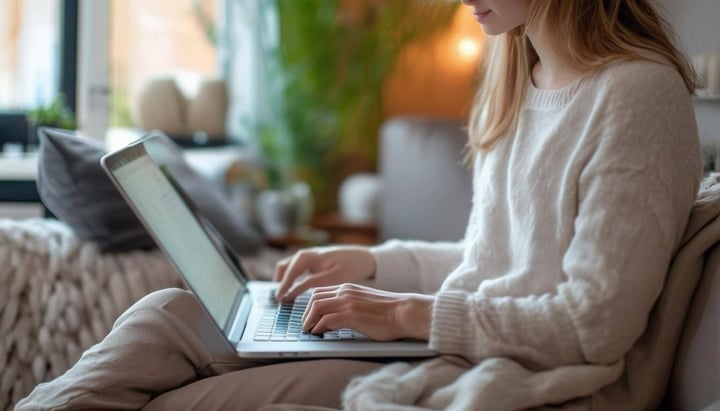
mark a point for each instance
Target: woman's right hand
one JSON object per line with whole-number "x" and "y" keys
{"x": 323, "y": 266}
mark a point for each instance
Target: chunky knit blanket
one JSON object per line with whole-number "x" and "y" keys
{"x": 60, "y": 295}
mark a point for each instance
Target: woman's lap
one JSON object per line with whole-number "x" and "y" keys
{"x": 165, "y": 347}
{"x": 315, "y": 382}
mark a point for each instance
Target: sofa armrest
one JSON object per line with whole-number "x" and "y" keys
{"x": 427, "y": 189}
{"x": 695, "y": 380}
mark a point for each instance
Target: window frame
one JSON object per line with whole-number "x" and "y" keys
{"x": 13, "y": 123}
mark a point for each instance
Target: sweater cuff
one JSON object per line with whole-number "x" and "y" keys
{"x": 391, "y": 267}
{"x": 451, "y": 327}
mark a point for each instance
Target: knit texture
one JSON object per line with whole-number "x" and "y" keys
{"x": 576, "y": 215}
{"x": 60, "y": 295}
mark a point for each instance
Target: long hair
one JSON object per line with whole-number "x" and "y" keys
{"x": 590, "y": 33}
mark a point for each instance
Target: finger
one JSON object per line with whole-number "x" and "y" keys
{"x": 367, "y": 325}
{"x": 307, "y": 283}
{"x": 280, "y": 268}
{"x": 329, "y": 322}
{"x": 316, "y": 311}
{"x": 314, "y": 298}
{"x": 343, "y": 292}
{"x": 325, "y": 288}
{"x": 298, "y": 265}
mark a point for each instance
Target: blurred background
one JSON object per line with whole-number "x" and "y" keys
{"x": 303, "y": 84}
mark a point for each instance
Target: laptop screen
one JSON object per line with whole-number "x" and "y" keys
{"x": 178, "y": 231}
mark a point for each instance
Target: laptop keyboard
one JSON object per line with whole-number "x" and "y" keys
{"x": 283, "y": 322}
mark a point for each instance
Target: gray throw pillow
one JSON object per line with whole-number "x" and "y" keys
{"x": 75, "y": 188}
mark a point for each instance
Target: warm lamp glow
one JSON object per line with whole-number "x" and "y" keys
{"x": 468, "y": 48}
{"x": 437, "y": 77}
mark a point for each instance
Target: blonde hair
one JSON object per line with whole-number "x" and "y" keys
{"x": 589, "y": 33}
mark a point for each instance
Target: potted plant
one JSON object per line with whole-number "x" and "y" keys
{"x": 333, "y": 91}
{"x": 56, "y": 114}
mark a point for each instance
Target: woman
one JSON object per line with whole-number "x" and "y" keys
{"x": 586, "y": 165}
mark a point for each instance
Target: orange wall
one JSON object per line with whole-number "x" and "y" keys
{"x": 438, "y": 78}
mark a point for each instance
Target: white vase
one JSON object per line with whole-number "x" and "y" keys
{"x": 276, "y": 211}
{"x": 360, "y": 198}
{"x": 305, "y": 204}
{"x": 242, "y": 198}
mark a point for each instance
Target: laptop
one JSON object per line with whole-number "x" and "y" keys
{"x": 243, "y": 313}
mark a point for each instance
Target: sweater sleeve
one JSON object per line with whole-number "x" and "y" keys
{"x": 415, "y": 265}
{"x": 635, "y": 193}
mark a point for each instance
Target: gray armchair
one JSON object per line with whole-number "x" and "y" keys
{"x": 427, "y": 189}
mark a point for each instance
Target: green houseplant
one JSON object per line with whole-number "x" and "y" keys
{"x": 328, "y": 75}
{"x": 56, "y": 114}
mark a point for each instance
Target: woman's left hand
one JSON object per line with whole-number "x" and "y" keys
{"x": 380, "y": 315}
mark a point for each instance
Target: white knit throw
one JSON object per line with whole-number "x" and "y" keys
{"x": 59, "y": 296}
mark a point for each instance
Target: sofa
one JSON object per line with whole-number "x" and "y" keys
{"x": 426, "y": 195}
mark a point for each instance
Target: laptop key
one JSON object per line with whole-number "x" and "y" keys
{"x": 346, "y": 333}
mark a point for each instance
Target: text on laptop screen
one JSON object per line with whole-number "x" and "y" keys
{"x": 182, "y": 236}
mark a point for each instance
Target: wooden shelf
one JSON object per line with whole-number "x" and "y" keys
{"x": 346, "y": 232}
{"x": 301, "y": 238}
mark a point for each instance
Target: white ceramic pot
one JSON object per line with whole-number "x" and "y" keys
{"x": 207, "y": 111}
{"x": 242, "y": 198}
{"x": 276, "y": 212}
{"x": 305, "y": 204}
{"x": 359, "y": 198}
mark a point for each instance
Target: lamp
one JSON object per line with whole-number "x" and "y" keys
{"x": 468, "y": 49}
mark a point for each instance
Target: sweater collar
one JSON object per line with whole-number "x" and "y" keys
{"x": 550, "y": 99}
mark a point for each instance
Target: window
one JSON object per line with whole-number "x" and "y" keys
{"x": 159, "y": 38}
{"x": 37, "y": 59}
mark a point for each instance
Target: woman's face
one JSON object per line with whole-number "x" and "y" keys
{"x": 499, "y": 16}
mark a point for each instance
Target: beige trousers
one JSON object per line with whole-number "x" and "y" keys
{"x": 155, "y": 358}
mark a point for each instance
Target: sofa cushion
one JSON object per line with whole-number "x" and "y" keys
{"x": 695, "y": 382}
{"x": 649, "y": 364}
{"x": 74, "y": 187}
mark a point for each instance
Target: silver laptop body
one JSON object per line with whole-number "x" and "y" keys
{"x": 239, "y": 308}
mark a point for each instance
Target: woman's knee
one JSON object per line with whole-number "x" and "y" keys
{"x": 160, "y": 300}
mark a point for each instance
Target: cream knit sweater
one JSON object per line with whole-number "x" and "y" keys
{"x": 575, "y": 217}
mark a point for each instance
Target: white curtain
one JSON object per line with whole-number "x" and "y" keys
{"x": 249, "y": 60}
